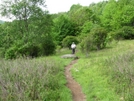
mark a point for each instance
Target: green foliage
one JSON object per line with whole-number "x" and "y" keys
{"x": 86, "y": 28}
{"x": 86, "y": 44}
{"x": 67, "y": 41}
{"x": 43, "y": 47}
{"x": 63, "y": 27}
{"x": 11, "y": 53}
{"x": 21, "y": 49}
{"x": 128, "y": 32}
{"x": 48, "y": 46}
{"x": 22, "y": 9}
{"x": 30, "y": 33}
{"x": 125, "y": 19}
{"x": 99, "y": 35}
{"x": 80, "y": 15}
{"x": 109, "y": 17}
{"x": 97, "y": 9}
{"x": 34, "y": 40}
{"x": 115, "y": 14}
{"x": 32, "y": 25}
{"x": 28, "y": 50}
{"x": 96, "y": 39}
{"x": 117, "y": 35}
{"x": 125, "y": 32}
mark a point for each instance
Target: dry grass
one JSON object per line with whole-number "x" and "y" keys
{"x": 28, "y": 80}
{"x": 121, "y": 69}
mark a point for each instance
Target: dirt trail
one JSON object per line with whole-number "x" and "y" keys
{"x": 73, "y": 85}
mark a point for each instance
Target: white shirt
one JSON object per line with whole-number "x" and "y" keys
{"x": 73, "y": 46}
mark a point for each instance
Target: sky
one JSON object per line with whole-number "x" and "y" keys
{"x": 56, "y": 6}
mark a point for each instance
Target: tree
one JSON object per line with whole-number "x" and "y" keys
{"x": 110, "y": 16}
{"x": 67, "y": 41}
{"x": 80, "y": 15}
{"x": 117, "y": 14}
{"x": 22, "y": 10}
{"x": 99, "y": 35}
{"x": 126, "y": 32}
{"x": 30, "y": 29}
{"x": 97, "y": 9}
{"x": 63, "y": 27}
{"x": 96, "y": 39}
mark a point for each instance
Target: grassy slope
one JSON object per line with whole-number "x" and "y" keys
{"x": 90, "y": 72}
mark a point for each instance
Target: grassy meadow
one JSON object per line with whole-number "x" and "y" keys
{"x": 105, "y": 75}
{"x": 108, "y": 74}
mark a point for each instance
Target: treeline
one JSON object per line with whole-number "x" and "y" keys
{"x": 35, "y": 32}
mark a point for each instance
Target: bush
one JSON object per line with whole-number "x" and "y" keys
{"x": 11, "y": 53}
{"x": 44, "y": 46}
{"x": 29, "y": 50}
{"x": 96, "y": 39}
{"x": 22, "y": 50}
{"x": 47, "y": 46}
{"x": 125, "y": 32}
{"x": 2, "y": 52}
{"x": 99, "y": 37}
{"x": 128, "y": 32}
{"x": 86, "y": 45}
{"x": 67, "y": 41}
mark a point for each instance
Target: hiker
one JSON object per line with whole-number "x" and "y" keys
{"x": 73, "y": 46}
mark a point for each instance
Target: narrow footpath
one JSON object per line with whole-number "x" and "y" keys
{"x": 75, "y": 88}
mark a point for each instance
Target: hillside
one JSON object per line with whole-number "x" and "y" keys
{"x": 107, "y": 75}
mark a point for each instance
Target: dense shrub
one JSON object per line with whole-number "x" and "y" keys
{"x": 47, "y": 46}
{"x": 99, "y": 35}
{"x": 43, "y": 46}
{"x": 125, "y": 32}
{"x": 31, "y": 50}
{"x": 22, "y": 50}
{"x": 96, "y": 39}
{"x": 67, "y": 41}
{"x": 86, "y": 45}
{"x": 11, "y": 53}
{"x": 128, "y": 32}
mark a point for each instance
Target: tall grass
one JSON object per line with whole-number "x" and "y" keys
{"x": 121, "y": 69}
{"x": 33, "y": 80}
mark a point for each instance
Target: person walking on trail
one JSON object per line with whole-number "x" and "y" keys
{"x": 73, "y": 46}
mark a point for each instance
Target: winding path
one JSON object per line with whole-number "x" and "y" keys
{"x": 75, "y": 88}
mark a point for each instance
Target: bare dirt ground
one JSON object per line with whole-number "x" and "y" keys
{"x": 75, "y": 88}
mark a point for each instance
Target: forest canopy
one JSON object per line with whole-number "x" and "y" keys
{"x": 35, "y": 32}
